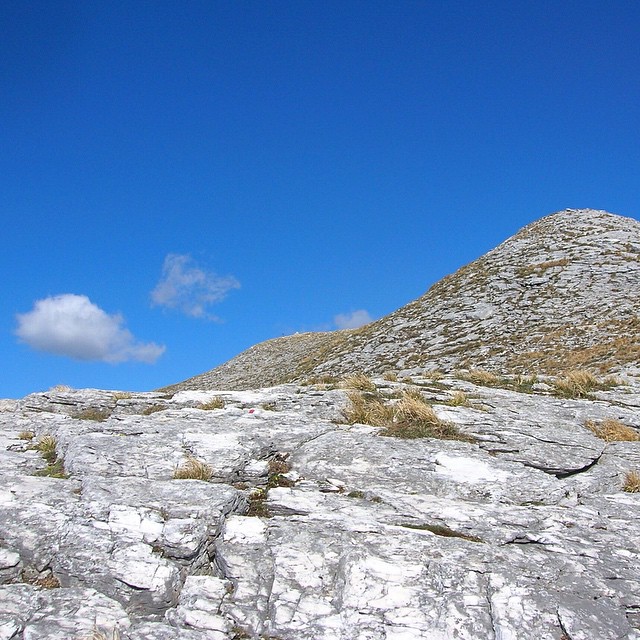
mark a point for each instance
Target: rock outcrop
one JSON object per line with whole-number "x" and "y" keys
{"x": 564, "y": 292}
{"x": 306, "y": 527}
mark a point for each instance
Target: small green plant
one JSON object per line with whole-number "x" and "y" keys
{"x": 355, "y": 494}
{"x": 217, "y": 402}
{"x": 631, "y": 482}
{"x": 612, "y": 430}
{"x": 278, "y": 467}
{"x": 99, "y": 415}
{"x": 193, "y": 469}
{"x": 154, "y": 408}
{"x": 53, "y": 469}
{"x": 360, "y": 382}
{"x": 258, "y": 504}
{"x": 47, "y": 446}
{"x": 269, "y": 406}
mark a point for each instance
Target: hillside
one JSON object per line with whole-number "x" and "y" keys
{"x": 562, "y": 293}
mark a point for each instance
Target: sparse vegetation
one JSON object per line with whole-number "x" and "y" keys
{"x": 324, "y": 380}
{"x": 541, "y": 267}
{"x": 154, "y": 408}
{"x": 217, "y": 402}
{"x": 390, "y": 376}
{"x": 193, "y": 469}
{"x": 47, "y": 447}
{"x": 278, "y": 467}
{"x": 409, "y": 417}
{"x": 121, "y": 395}
{"x": 99, "y": 415}
{"x": 269, "y": 406}
{"x": 580, "y": 383}
{"x": 612, "y": 430}
{"x": 360, "y": 382}
{"x": 458, "y": 399}
{"x": 26, "y": 435}
{"x": 481, "y": 377}
{"x": 99, "y": 634}
{"x": 631, "y": 482}
{"x": 258, "y": 504}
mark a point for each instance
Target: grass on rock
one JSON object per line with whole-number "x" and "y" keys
{"x": 193, "y": 469}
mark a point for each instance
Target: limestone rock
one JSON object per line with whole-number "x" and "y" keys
{"x": 313, "y": 528}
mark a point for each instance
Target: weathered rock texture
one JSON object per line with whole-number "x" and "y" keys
{"x": 564, "y": 292}
{"x": 311, "y": 528}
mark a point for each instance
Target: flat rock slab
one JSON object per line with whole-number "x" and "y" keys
{"x": 311, "y": 528}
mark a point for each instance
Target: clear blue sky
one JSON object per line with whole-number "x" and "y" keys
{"x": 183, "y": 179}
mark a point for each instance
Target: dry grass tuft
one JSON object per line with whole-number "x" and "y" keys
{"x": 193, "y": 469}
{"x": 367, "y": 411}
{"x": 47, "y": 447}
{"x": 217, "y": 402}
{"x": 410, "y": 417}
{"x": 99, "y": 415}
{"x": 26, "y": 435}
{"x": 481, "y": 377}
{"x": 121, "y": 395}
{"x": 612, "y": 430}
{"x": 579, "y": 383}
{"x": 632, "y": 482}
{"x": 390, "y": 376}
{"x": 154, "y": 408}
{"x": 360, "y": 382}
{"x": 458, "y": 399}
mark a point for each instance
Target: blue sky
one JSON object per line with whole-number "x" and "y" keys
{"x": 183, "y": 179}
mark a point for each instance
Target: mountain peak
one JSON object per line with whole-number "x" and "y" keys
{"x": 559, "y": 294}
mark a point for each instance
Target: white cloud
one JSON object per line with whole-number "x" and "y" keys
{"x": 71, "y": 325}
{"x": 352, "y": 320}
{"x": 189, "y": 288}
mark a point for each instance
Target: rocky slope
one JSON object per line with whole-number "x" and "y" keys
{"x": 308, "y": 527}
{"x": 564, "y": 292}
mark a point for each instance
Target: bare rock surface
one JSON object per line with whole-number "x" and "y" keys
{"x": 308, "y": 527}
{"x": 564, "y": 292}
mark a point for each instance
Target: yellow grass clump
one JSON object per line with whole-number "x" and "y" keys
{"x": 612, "y": 430}
{"x": 193, "y": 469}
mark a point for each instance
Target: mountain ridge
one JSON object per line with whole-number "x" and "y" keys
{"x": 561, "y": 293}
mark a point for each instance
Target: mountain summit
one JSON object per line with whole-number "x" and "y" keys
{"x": 563, "y": 292}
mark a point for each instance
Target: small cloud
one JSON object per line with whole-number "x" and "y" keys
{"x": 352, "y": 320}
{"x": 190, "y": 289}
{"x": 71, "y": 325}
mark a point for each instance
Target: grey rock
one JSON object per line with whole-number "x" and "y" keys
{"x": 523, "y": 533}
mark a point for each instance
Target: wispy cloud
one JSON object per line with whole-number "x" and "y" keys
{"x": 352, "y": 320}
{"x": 190, "y": 289}
{"x": 71, "y": 325}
